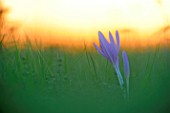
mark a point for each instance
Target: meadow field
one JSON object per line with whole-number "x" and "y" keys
{"x": 47, "y": 80}
{"x": 35, "y": 78}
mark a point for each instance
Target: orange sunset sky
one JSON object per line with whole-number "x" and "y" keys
{"x": 70, "y": 22}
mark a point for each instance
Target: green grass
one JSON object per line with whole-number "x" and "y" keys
{"x": 51, "y": 80}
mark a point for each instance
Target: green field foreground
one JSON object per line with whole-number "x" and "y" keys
{"x": 51, "y": 80}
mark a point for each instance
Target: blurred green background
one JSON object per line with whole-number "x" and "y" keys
{"x": 54, "y": 80}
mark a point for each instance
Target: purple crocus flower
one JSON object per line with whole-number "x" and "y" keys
{"x": 110, "y": 51}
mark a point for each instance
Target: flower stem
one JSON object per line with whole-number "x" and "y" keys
{"x": 121, "y": 82}
{"x": 127, "y": 85}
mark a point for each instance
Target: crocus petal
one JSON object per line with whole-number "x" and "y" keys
{"x": 118, "y": 40}
{"x": 111, "y": 38}
{"x": 113, "y": 46}
{"x": 102, "y": 39}
{"x": 105, "y": 47}
{"x": 102, "y": 47}
{"x": 98, "y": 49}
{"x": 112, "y": 43}
{"x": 113, "y": 53}
{"x": 126, "y": 64}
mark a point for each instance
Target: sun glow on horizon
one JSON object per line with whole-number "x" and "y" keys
{"x": 83, "y": 18}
